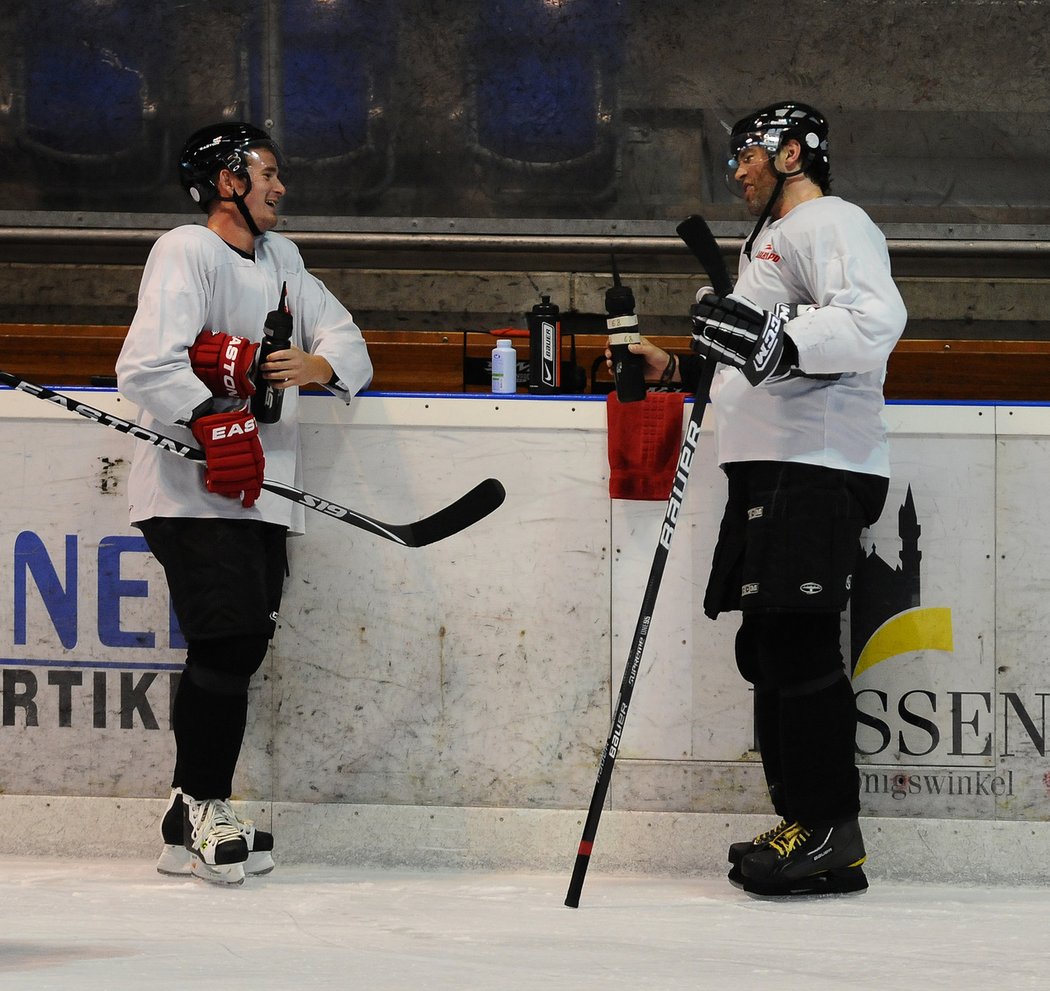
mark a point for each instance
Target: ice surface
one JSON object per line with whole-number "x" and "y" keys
{"x": 115, "y": 925}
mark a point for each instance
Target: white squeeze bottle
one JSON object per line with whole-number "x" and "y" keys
{"x": 504, "y": 367}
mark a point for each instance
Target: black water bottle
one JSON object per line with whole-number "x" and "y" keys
{"x": 544, "y": 347}
{"x": 622, "y": 325}
{"x": 266, "y": 403}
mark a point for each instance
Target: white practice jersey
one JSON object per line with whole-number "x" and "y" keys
{"x": 194, "y": 281}
{"x": 829, "y": 254}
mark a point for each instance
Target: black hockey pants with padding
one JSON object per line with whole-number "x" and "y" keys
{"x": 805, "y": 713}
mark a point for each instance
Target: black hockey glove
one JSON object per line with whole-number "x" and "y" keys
{"x": 735, "y": 331}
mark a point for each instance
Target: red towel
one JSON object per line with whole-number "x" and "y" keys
{"x": 645, "y": 439}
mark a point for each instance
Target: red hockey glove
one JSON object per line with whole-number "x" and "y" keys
{"x": 233, "y": 453}
{"x": 224, "y": 364}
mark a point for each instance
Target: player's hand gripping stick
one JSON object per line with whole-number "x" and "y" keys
{"x": 233, "y": 454}
{"x": 622, "y": 324}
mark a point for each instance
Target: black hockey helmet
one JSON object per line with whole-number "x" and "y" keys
{"x": 214, "y": 148}
{"x": 771, "y": 126}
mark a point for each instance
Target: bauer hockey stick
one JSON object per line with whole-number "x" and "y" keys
{"x": 698, "y": 237}
{"x": 475, "y": 505}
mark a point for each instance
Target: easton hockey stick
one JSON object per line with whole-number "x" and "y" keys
{"x": 698, "y": 237}
{"x": 475, "y": 505}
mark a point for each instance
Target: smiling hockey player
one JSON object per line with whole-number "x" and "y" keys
{"x": 190, "y": 360}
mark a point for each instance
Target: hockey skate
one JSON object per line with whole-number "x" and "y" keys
{"x": 738, "y": 851}
{"x": 176, "y": 861}
{"x": 803, "y": 860}
{"x": 214, "y": 839}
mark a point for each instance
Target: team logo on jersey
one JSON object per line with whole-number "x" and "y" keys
{"x": 755, "y": 512}
{"x": 751, "y": 588}
{"x": 767, "y": 253}
{"x": 811, "y": 588}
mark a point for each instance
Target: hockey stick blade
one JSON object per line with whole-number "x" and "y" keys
{"x": 467, "y": 510}
{"x": 698, "y": 237}
{"x": 475, "y": 505}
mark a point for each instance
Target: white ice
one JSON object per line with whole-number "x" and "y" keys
{"x": 115, "y": 925}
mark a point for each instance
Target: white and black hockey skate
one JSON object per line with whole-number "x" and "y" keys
{"x": 179, "y": 859}
{"x": 822, "y": 859}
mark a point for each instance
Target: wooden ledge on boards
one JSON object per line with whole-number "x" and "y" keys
{"x": 437, "y": 361}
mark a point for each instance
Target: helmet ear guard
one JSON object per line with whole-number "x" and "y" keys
{"x": 201, "y": 192}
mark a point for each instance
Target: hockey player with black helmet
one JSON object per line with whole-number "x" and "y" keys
{"x": 801, "y": 345}
{"x": 189, "y": 363}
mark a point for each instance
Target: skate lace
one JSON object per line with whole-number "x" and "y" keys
{"x": 218, "y": 821}
{"x": 770, "y": 834}
{"x": 790, "y": 839}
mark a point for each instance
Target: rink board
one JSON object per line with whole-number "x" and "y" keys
{"x": 480, "y": 671}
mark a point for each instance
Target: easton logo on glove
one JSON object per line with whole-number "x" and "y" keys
{"x": 224, "y": 431}
{"x": 233, "y": 454}
{"x": 224, "y": 364}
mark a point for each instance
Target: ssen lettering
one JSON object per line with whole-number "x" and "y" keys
{"x": 910, "y": 726}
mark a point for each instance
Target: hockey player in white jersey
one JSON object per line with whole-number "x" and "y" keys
{"x": 802, "y": 345}
{"x": 189, "y": 364}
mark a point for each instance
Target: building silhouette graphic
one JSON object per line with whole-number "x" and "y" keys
{"x": 881, "y": 591}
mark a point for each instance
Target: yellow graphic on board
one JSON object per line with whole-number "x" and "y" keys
{"x": 913, "y": 629}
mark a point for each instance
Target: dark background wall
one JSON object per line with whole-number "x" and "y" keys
{"x": 553, "y": 119}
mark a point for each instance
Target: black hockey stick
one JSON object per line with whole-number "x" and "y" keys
{"x": 481, "y": 500}
{"x": 697, "y": 235}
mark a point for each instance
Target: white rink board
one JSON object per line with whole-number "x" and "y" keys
{"x": 480, "y": 671}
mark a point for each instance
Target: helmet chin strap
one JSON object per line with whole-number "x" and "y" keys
{"x": 782, "y": 177}
{"x": 766, "y": 211}
{"x": 238, "y": 200}
{"x": 246, "y": 213}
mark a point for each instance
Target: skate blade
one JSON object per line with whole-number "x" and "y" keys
{"x": 177, "y": 861}
{"x": 844, "y": 881}
{"x": 229, "y": 874}
{"x": 259, "y": 863}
